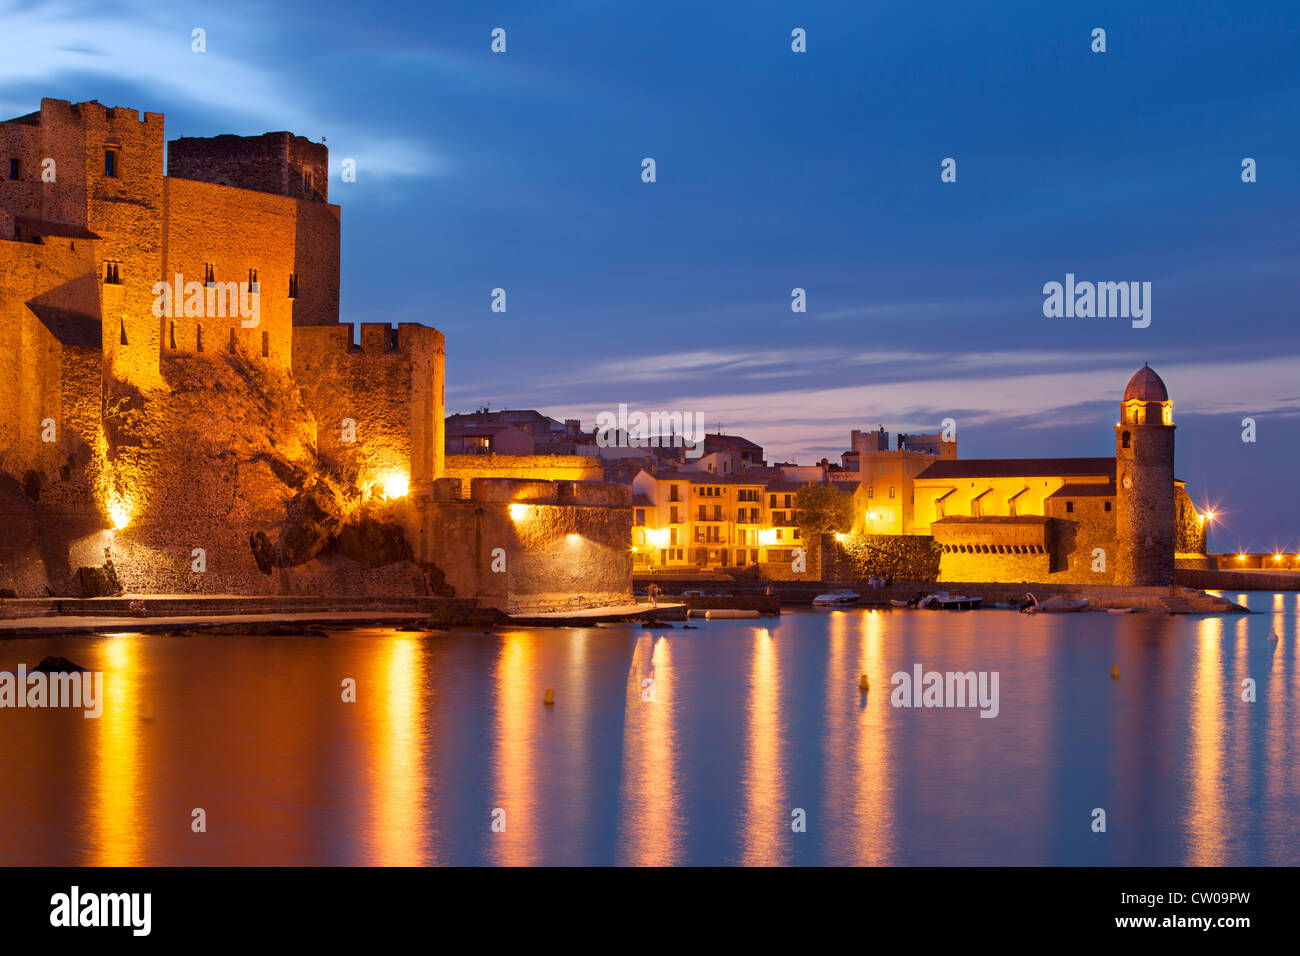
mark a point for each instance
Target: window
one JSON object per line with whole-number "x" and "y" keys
{"x": 198, "y": 338}
{"x": 787, "y": 500}
{"x": 672, "y": 516}
{"x": 252, "y": 279}
{"x": 13, "y": 169}
{"x": 110, "y": 161}
{"x": 640, "y": 517}
{"x": 672, "y": 538}
{"x": 266, "y": 345}
{"x": 672, "y": 493}
{"x": 111, "y": 274}
{"x": 123, "y": 327}
{"x": 717, "y": 512}
{"x": 1069, "y": 507}
{"x": 1125, "y": 437}
{"x": 209, "y": 273}
{"x": 771, "y": 501}
{"x": 871, "y": 491}
{"x": 232, "y": 341}
{"x": 1107, "y": 506}
{"x": 702, "y": 507}
{"x": 171, "y": 334}
{"x": 293, "y": 285}
{"x": 891, "y": 491}
{"x": 306, "y": 179}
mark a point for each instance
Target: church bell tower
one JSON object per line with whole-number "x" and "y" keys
{"x": 1144, "y": 475}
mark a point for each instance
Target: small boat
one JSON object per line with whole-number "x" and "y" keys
{"x": 1120, "y": 610}
{"x": 1057, "y": 603}
{"x": 943, "y": 601}
{"x": 897, "y": 603}
{"x": 836, "y": 598}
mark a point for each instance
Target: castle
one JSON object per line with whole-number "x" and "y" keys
{"x": 207, "y": 451}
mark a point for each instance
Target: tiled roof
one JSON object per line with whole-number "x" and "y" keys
{"x": 994, "y": 519}
{"x": 472, "y": 428}
{"x": 1019, "y": 468}
{"x": 1078, "y": 490}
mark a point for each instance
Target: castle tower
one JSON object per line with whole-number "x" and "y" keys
{"x": 1144, "y": 475}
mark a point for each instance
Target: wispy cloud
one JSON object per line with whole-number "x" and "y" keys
{"x": 240, "y": 78}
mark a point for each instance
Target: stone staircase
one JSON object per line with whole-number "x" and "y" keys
{"x": 1192, "y": 601}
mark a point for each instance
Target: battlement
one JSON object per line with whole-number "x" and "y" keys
{"x": 279, "y": 163}
{"x": 377, "y": 339}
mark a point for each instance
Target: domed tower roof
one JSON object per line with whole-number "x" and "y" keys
{"x": 1146, "y": 386}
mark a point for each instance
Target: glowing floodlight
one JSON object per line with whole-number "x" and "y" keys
{"x": 118, "y": 512}
{"x": 395, "y": 484}
{"x": 518, "y": 512}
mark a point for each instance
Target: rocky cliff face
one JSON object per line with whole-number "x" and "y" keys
{"x": 218, "y": 485}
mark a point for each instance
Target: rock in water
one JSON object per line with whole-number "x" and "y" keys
{"x": 56, "y": 665}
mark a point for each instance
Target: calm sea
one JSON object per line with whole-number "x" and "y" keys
{"x": 751, "y": 744}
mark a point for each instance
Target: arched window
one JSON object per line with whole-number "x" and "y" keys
{"x": 1126, "y": 438}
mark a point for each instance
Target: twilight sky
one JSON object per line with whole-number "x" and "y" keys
{"x": 778, "y": 170}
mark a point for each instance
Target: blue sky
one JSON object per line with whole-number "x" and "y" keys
{"x": 778, "y": 170}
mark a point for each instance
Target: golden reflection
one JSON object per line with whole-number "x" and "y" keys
{"x": 1206, "y": 742}
{"x": 115, "y": 807}
{"x": 401, "y": 815}
{"x": 519, "y": 707}
{"x": 650, "y": 812}
{"x": 875, "y": 803}
{"x": 857, "y": 748}
{"x": 766, "y": 832}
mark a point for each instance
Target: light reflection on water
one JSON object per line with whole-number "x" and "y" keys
{"x": 672, "y": 747}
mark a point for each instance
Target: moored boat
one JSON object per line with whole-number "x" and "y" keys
{"x": 943, "y": 601}
{"x": 838, "y": 598}
{"x": 1056, "y": 603}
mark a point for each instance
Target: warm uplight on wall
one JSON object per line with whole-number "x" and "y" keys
{"x": 1241, "y": 557}
{"x": 657, "y": 536}
{"x": 841, "y": 536}
{"x": 118, "y": 512}
{"x": 395, "y": 485}
{"x": 1277, "y": 557}
{"x": 767, "y": 536}
{"x": 518, "y": 512}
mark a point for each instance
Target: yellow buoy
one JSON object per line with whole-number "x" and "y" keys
{"x": 1114, "y": 671}
{"x": 864, "y": 683}
{"x": 549, "y": 700}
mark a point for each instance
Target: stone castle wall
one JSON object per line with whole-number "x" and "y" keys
{"x": 279, "y": 163}
{"x": 562, "y": 544}
{"x": 238, "y": 230}
{"x": 525, "y": 467}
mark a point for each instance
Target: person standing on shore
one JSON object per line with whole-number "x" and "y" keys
{"x": 653, "y": 592}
